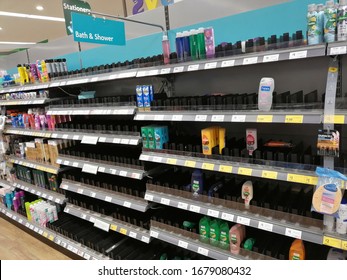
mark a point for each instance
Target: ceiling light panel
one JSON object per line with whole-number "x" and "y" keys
{"x": 10, "y": 14}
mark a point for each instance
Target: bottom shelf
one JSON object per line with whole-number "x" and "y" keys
{"x": 190, "y": 241}
{"x": 58, "y": 239}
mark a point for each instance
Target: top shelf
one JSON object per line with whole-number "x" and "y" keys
{"x": 224, "y": 62}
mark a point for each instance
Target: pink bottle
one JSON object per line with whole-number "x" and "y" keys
{"x": 236, "y": 234}
{"x": 166, "y": 49}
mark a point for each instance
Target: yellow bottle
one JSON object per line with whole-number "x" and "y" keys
{"x": 297, "y": 250}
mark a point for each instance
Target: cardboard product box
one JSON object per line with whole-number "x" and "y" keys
{"x": 144, "y": 135}
{"x": 53, "y": 152}
{"x": 151, "y": 137}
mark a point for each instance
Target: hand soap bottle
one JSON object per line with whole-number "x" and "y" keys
{"x": 297, "y": 250}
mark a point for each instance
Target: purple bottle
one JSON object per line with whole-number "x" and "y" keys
{"x": 209, "y": 42}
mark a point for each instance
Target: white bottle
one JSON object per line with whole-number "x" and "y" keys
{"x": 247, "y": 193}
{"x": 341, "y": 222}
{"x": 266, "y": 88}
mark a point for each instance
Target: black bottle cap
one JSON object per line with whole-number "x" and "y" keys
{"x": 261, "y": 41}
{"x": 285, "y": 37}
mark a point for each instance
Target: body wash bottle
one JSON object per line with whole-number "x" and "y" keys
{"x": 247, "y": 193}
{"x": 266, "y": 88}
{"x": 166, "y": 49}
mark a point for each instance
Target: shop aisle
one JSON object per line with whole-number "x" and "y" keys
{"x": 19, "y": 245}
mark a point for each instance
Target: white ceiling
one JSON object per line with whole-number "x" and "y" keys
{"x": 33, "y": 30}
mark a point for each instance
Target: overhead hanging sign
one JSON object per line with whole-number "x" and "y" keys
{"x": 96, "y": 30}
{"x": 74, "y": 6}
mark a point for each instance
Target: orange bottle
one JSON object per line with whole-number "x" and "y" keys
{"x": 297, "y": 250}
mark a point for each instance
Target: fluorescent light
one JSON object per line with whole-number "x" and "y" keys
{"x": 39, "y": 8}
{"x": 9, "y": 14}
{"x": 0, "y": 28}
{"x": 16, "y": 43}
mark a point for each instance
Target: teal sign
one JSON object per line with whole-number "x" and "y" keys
{"x": 96, "y": 30}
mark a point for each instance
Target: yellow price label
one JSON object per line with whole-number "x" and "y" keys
{"x": 123, "y": 231}
{"x": 225, "y": 168}
{"x": 337, "y": 119}
{"x": 244, "y": 171}
{"x": 113, "y": 227}
{"x": 294, "y": 119}
{"x": 172, "y": 161}
{"x": 47, "y": 135}
{"x": 51, "y": 170}
{"x": 208, "y": 166}
{"x": 310, "y": 180}
{"x": 269, "y": 174}
{"x": 332, "y": 242}
{"x": 45, "y": 234}
{"x": 333, "y": 69}
{"x": 190, "y": 163}
{"x": 264, "y": 118}
{"x": 344, "y": 245}
{"x": 51, "y": 237}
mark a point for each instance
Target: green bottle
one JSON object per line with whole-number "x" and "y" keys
{"x": 201, "y": 43}
{"x": 193, "y": 41}
{"x": 204, "y": 229}
{"x": 224, "y": 242}
{"x": 248, "y": 245}
{"x": 214, "y": 233}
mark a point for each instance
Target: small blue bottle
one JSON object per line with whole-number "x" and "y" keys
{"x": 186, "y": 45}
{"x": 179, "y": 47}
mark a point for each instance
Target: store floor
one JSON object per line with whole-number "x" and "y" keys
{"x": 19, "y": 245}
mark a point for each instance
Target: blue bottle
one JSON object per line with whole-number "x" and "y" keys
{"x": 179, "y": 47}
{"x": 186, "y": 45}
{"x": 197, "y": 182}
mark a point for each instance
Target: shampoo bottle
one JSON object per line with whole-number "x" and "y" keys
{"x": 247, "y": 193}
{"x": 204, "y": 229}
{"x": 214, "y": 233}
{"x": 179, "y": 47}
{"x": 312, "y": 36}
{"x": 197, "y": 182}
{"x": 193, "y": 40}
{"x": 186, "y": 45}
{"x": 342, "y": 21}
{"x": 330, "y": 14}
{"x": 224, "y": 242}
{"x": 200, "y": 36}
{"x": 266, "y": 88}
